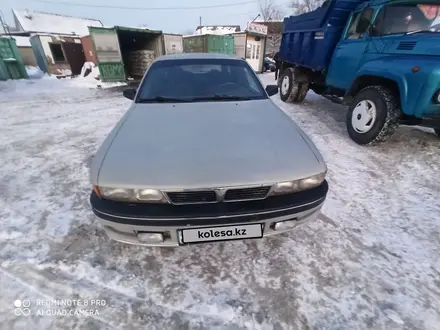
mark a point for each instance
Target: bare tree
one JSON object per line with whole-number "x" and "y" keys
{"x": 270, "y": 11}
{"x": 304, "y": 6}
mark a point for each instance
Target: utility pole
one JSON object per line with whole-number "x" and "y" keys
{"x": 200, "y": 20}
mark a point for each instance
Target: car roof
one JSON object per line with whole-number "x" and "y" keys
{"x": 197, "y": 56}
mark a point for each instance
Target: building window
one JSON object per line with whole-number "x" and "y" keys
{"x": 57, "y": 53}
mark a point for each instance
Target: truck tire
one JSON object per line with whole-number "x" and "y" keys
{"x": 373, "y": 116}
{"x": 302, "y": 92}
{"x": 289, "y": 86}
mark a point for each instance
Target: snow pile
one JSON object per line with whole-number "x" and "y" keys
{"x": 90, "y": 71}
{"x": 39, "y": 81}
{"x": 90, "y": 77}
{"x": 34, "y": 72}
{"x": 64, "y": 72}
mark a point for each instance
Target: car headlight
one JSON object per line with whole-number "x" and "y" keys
{"x": 288, "y": 187}
{"x": 149, "y": 195}
{"x": 132, "y": 195}
{"x": 117, "y": 194}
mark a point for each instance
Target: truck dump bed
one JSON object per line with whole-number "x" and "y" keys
{"x": 309, "y": 39}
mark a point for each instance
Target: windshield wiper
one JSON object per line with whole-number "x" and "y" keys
{"x": 420, "y": 31}
{"x": 215, "y": 97}
{"x": 219, "y": 97}
{"x": 163, "y": 99}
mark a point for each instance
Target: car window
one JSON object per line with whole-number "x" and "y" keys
{"x": 195, "y": 80}
{"x": 359, "y": 24}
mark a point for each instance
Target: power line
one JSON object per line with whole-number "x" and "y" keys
{"x": 143, "y": 8}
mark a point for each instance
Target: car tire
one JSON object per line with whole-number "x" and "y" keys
{"x": 373, "y": 116}
{"x": 289, "y": 86}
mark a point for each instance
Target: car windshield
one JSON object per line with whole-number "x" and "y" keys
{"x": 193, "y": 80}
{"x": 408, "y": 19}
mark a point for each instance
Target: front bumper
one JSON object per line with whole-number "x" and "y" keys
{"x": 123, "y": 221}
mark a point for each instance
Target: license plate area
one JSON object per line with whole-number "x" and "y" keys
{"x": 220, "y": 233}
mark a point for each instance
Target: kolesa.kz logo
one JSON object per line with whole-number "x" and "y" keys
{"x": 221, "y": 233}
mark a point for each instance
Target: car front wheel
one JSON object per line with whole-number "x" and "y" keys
{"x": 373, "y": 116}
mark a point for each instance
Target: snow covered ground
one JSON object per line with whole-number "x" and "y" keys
{"x": 372, "y": 261}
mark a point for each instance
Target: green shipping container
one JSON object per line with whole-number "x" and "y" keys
{"x": 112, "y": 47}
{"x": 108, "y": 53}
{"x": 11, "y": 62}
{"x": 209, "y": 44}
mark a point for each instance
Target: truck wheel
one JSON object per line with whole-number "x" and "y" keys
{"x": 289, "y": 86}
{"x": 373, "y": 116}
{"x": 302, "y": 92}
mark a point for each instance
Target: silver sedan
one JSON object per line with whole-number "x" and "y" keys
{"x": 202, "y": 155}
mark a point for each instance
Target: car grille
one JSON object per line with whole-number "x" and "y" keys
{"x": 246, "y": 193}
{"x": 211, "y": 196}
{"x": 192, "y": 197}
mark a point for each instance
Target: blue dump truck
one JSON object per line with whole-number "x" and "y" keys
{"x": 381, "y": 58}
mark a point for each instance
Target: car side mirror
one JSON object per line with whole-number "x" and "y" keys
{"x": 271, "y": 89}
{"x": 129, "y": 93}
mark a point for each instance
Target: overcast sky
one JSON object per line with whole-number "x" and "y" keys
{"x": 171, "y": 21}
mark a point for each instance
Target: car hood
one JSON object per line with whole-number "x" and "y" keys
{"x": 207, "y": 144}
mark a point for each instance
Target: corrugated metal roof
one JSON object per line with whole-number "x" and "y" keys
{"x": 39, "y": 22}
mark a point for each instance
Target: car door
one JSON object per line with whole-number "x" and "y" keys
{"x": 350, "y": 50}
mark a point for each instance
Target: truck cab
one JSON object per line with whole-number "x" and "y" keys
{"x": 385, "y": 64}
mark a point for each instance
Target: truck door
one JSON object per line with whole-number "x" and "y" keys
{"x": 350, "y": 50}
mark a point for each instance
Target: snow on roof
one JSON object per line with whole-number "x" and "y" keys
{"x": 218, "y": 29}
{"x": 22, "y": 41}
{"x": 39, "y": 22}
{"x": 269, "y": 21}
